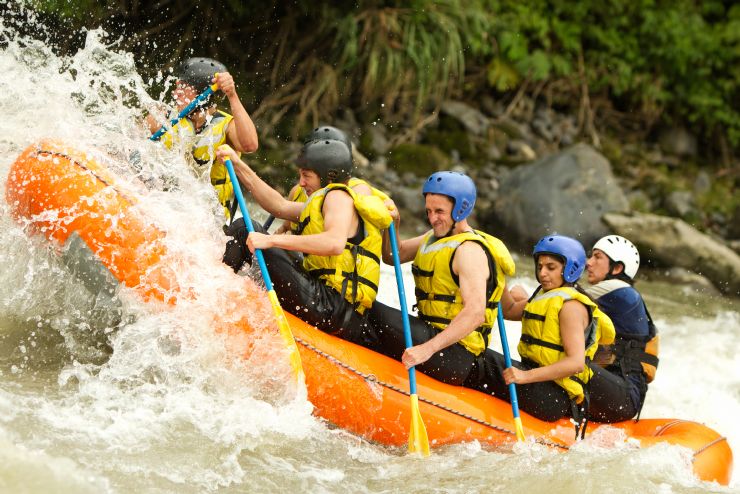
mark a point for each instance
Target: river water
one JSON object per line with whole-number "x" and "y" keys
{"x": 116, "y": 397}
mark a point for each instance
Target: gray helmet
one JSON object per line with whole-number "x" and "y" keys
{"x": 327, "y": 132}
{"x": 199, "y": 71}
{"x": 330, "y": 159}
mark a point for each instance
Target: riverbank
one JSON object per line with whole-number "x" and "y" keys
{"x": 537, "y": 172}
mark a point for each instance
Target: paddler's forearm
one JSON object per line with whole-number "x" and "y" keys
{"x": 245, "y": 133}
{"x": 268, "y": 198}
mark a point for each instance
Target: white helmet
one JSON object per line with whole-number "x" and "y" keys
{"x": 619, "y": 249}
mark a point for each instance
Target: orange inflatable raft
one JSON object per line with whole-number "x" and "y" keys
{"x": 66, "y": 194}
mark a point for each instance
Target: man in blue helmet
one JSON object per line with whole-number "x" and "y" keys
{"x": 339, "y": 233}
{"x": 459, "y": 274}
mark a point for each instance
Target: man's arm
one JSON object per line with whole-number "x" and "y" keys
{"x": 340, "y": 222}
{"x": 268, "y": 198}
{"x": 241, "y": 134}
{"x": 406, "y": 248}
{"x": 471, "y": 266}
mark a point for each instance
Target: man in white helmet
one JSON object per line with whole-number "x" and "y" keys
{"x": 633, "y": 359}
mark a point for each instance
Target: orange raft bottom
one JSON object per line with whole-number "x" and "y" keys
{"x": 367, "y": 393}
{"x": 350, "y": 386}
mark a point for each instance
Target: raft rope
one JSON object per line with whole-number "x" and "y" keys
{"x": 374, "y": 379}
{"x": 79, "y": 164}
{"x": 707, "y": 446}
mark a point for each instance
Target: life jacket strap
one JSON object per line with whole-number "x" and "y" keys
{"x": 531, "y": 340}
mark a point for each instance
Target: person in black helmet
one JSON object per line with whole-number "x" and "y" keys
{"x": 339, "y": 233}
{"x": 298, "y": 193}
{"x": 206, "y": 127}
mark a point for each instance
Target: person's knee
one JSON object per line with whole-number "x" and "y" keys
{"x": 236, "y": 252}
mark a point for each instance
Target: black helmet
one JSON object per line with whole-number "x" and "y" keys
{"x": 327, "y": 132}
{"x": 198, "y": 72}
{"x": 330, "y": 159}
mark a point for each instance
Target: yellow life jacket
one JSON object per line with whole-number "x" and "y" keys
{"x": 203, "y": 146}
{"x": 355, "y": 272}
{"x": 438, "y": 290}
{"x": 299, "y": 195}
{"x": 542, "y": 343}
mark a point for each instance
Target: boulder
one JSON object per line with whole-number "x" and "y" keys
{"x": 472, "y": 119}
{"x": 567, "y": 193}
{"x": 673, "y": 242}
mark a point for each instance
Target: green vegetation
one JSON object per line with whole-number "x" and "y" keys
{"x": 624, "y": 63}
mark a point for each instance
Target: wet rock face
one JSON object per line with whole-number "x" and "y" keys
{"x": 567, "y": 193}
{"x": 673, "y": 242}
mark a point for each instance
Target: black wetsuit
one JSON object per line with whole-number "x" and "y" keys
{"x": 451, "y": 365}
{"x": 305, "y": 296}
{"x": 608, "y": 394}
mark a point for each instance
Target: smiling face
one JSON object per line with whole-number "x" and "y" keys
{"x": 549, "y": 270}
{"x": 597, "y": 266}
{"x": 309, "y": 180}
{"x": 439, "y": 213}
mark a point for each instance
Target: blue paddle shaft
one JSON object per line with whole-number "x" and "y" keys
{"x": 507, "y": 361}
{"x": 183, "y": 113}
{"x": 402, "y": 297}
{"x": 248, "y": 221}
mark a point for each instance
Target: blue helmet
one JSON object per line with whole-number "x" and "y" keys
{"x": 458, "y": 186}
{"x": 568, "y": 249}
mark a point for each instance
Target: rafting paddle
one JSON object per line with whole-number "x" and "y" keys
{"x": 295, "y": 357}
{"x": 418, "y": 440}
{"x": 186, "y": 111}
{"x": 512, "y": 387}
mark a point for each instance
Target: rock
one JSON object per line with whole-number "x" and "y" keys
{"x": 493, "y": 153}
{"x": 639, "y": 201}
{"x": 734, "y": 245}
{"x": 673, "y": 242}
{"x": 421, "y": 159}
{"x": 565, "y": 193}
{"x": 520, "y": 150}
{"x": 377, "y": 135}
{"x": 473, "y": 120}
{"x": 680, "y": 203}
{"x": 678, "y": 141}
{"x": 411, "y": 200}
{"x": 684, "y": 277}
{"x": 703, "y": 183}
{"x": 359, "y": 159}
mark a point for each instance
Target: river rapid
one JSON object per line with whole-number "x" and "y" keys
{"x": 101, "y": 396}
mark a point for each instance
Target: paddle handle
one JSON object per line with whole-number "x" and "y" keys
{"x": 248, "y": 221}
{"x": 507, "y": 361}
{"x": 268, "y": 222}
{"x": 402, "y": 297}
{"x": 185, "y": 111}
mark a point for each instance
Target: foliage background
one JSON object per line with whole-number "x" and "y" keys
{"x": 626, "y": 65}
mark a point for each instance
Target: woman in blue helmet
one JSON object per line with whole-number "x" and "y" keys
{"x": 561, "y": 330}
{"x": 459, "y": 275}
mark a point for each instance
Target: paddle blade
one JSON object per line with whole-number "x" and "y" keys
{"x": 287, "y": 335}
{"x": 418, "y": 440}
{"x": 519, "y": 429}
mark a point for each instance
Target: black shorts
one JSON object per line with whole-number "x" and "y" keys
{"x": 450, "y": 365}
